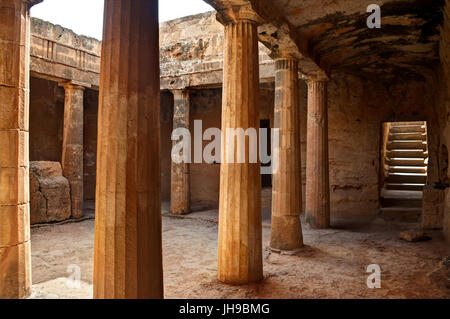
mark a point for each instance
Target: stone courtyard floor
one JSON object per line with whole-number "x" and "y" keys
{"x": 332, "y": 265}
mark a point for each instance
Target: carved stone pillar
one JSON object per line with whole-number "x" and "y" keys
{"x": 128, "y": 251}
{"x": 15, "y": 254}
{"x": 240, "y": 229}
{"x": 317, "y": 175}
{"x": 72, "y": 150}
{"x": 286, "y": 231}
{"x": 180, "y": 173}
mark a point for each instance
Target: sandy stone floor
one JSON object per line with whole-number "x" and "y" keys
{"x": 333, "y": 265}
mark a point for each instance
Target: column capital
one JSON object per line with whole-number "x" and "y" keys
{"x": 74, "y": 85}
{"x": 311, "y": 79}
{"x": 286, "y": 63}
{"x": 32, "y": 2}
{"x": 184, "y": 91}
{"x": 237, "y": 14}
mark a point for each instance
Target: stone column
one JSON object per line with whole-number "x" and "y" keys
{"x": 72, "y": 150}
{"x": 179, "y": 178}
{"x": 240, "y": 237}
{"x": 286, "y": 231}
{"x": 128, "y": 251}
{"x": 15, "y": 254}
{"x": 317, "y": 178}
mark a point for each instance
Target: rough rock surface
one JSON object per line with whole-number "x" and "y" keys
{"x": 49, "y": 192}
{"x": 433, "y": 210}
{"x": 414, "y": 235}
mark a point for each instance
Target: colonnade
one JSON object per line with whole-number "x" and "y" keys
{"x": 128, "y": 249}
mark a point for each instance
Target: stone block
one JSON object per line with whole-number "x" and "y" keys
{"x": 15, "y": 108}
{"x": 15, "y": 268}
{"x": 15, "y": 225}
{"x": 14, "y": 186}
{"x": 50, "y": 193}
{"x": 16, "y": 142}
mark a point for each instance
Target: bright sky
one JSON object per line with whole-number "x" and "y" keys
{"x": 86, "y": 16}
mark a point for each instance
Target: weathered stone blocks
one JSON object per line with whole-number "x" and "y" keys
{"x": 446, "y": 216}
{"x": 50, "y": 193}
{"x": 15, "y": 271}
{"x": 433, "y": 208}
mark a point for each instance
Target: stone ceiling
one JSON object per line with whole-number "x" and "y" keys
{"x": 336, "y": 30}
{"x": 334, "y": 34}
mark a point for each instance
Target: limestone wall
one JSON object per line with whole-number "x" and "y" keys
{"x": 357, "y": 110}
{"x": 194, "y": 44}
{"x": 443, "y": 108}
{"x": 46, "y": 120}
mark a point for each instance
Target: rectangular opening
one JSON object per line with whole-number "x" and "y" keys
{"x": 404, "y": 165}
{"x": 266, "y": 180}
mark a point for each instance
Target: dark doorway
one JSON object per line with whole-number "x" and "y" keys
{"x": 266, "y": 179}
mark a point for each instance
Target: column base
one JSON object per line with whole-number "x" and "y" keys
{"x": 312, "y": 223}
{"x": 237, "y": 282}
{"x": 180, "y": 212}
{"x": 286, "y": 233}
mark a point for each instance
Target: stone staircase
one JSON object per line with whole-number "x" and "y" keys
{"x": 405, "y": 169}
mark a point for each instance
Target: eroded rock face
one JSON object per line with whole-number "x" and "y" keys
{"x": 49, "y": 192}
{"x": 433, "y": 209}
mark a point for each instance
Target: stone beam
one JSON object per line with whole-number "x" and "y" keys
{"x": 58, "y": 62}
{"x": 274, "y": 31}
{"x": 211, "y": 78}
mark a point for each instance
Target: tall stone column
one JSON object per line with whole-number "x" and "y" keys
{"x": 240, "y": 229}
{"x": 180, "y": 173}
{"x": 72, "y": 150}
{"x": 15, "y": 254}
{"x": 317, "y": 175}
{"x": 128, "y": 251}
{"x": 286, "y": 231}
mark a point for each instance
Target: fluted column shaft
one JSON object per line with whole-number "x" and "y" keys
{"x": 286, "y": 229}
{"x": 240, "y": 238}
{"x": 317, "y": 175}
{"x": 128, "y": 252}
{"x": 72, "y": 151}
{"x": 15, "y": 256}
{"x": 180, "y": 172}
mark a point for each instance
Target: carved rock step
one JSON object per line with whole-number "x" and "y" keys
{"x": 404, "y": 153}
{"x": 419, "y": 178}
{"x": 401, "y": 198}
{"x": 405, "y": 186}
{"x": 398, "y": 161}
{"x": 407, "y": 169}
{"x": 408, "y": 136}
{"x": 408, "y": 128}
{"x": 407, "y": 144}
